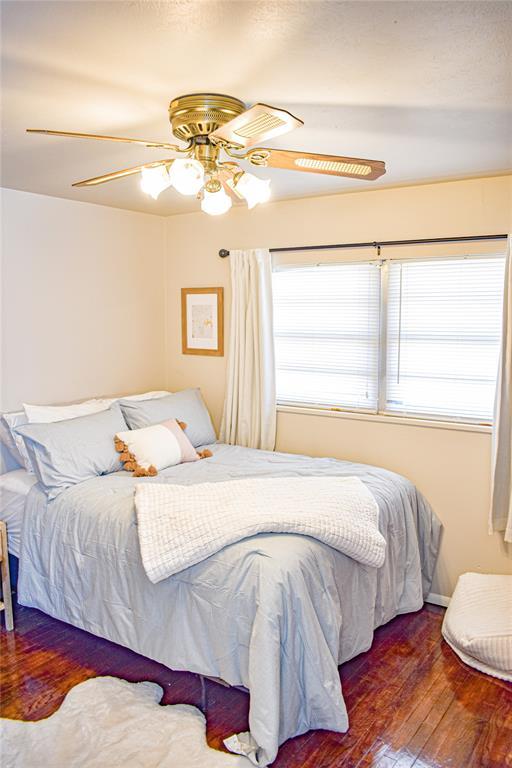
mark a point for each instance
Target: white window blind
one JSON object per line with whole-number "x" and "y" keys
{"x": 443, "y": 337}
{"x": 326, "y": 328}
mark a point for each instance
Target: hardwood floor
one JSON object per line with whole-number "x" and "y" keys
{"x": 411, "y": 702}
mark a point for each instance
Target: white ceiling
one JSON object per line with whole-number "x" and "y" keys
{"x": 425, "y": 86}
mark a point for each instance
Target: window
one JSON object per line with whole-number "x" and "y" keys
{"x": 443, "y": 336}
{"x": 326, "y": 329}
{"x": 418, "y": 337}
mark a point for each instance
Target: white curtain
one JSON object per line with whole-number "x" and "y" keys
{"x": 249, "y": 417}
{"x": 501, "y": 500}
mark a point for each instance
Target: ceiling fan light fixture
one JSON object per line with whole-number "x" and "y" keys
{"x": 214, "y": 126}
{"x": 216, "y": 203}
{"x": 187, "y": 176}
{"x": 154, "y": 180}
{"x": 253, "y": 189}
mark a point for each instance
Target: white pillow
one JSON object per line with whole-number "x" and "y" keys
{"x": 147, "y": 450}
{"x": 146, "y": 395}
{"x": 142, "y": 396}
{"x": 48, "y": 414}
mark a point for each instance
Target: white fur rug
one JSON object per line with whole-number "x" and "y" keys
{"x": 110, "y": 722}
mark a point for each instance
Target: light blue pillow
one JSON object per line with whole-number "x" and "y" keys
{"x": 187, "y": 406}
{"x": 68, "y": 452}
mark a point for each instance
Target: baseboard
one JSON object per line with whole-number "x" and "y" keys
{"x": 435, "y": 599}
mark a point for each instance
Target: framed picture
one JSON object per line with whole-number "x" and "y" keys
{"x": 202, "y": 321}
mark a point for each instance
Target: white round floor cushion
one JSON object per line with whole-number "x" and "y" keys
{"x": 478, "y": 623}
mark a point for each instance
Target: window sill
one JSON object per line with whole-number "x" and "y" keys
{"x": 408, "y": 421}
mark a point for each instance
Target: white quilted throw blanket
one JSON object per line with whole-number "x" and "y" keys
{"x": 182, "y": 525}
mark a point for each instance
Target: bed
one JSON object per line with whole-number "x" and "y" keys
{"x": 274, "y": 613}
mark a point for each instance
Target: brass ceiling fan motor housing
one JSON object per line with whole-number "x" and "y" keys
{"x": 199, "y": 114}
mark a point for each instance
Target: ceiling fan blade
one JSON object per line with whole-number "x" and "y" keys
{"x": 119, "y": 174}
{"x": 157, "y": 144}
{"x": 332, "y": 165}
{"x": 258, "y": 123}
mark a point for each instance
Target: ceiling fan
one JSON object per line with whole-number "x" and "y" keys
{"x": 210, "y": 124}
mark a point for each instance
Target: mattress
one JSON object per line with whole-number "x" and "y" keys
{"x": 14, "y": 489}
{"x": 275, "y": 613}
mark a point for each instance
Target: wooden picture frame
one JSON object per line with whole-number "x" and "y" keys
{"x": 202, "y": 321}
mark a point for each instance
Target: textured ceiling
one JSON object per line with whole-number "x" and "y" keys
{"x": 425, "y": 86}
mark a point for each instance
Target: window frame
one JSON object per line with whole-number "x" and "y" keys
{"x": 381, "y": 412}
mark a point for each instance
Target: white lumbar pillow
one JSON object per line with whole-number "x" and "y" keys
{"x": 478, "y": 623}
{"x": 147, "y": 450}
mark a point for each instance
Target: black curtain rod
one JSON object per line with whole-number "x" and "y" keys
{"x": 223, "y": 253}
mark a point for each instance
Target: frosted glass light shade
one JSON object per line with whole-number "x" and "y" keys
{"x": 187, "y": 176}
{"x": 216, "y": 203}
{"x": 154, "y": 180}
{"x": 254, "y": 190}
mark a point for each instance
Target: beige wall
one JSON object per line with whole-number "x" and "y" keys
{"x": 82, "y": 300}
{"x": 84, "y": 313}
{"x": 450, "y": 467}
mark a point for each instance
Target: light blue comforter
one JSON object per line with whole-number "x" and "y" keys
{"x": 275, "y": 613}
